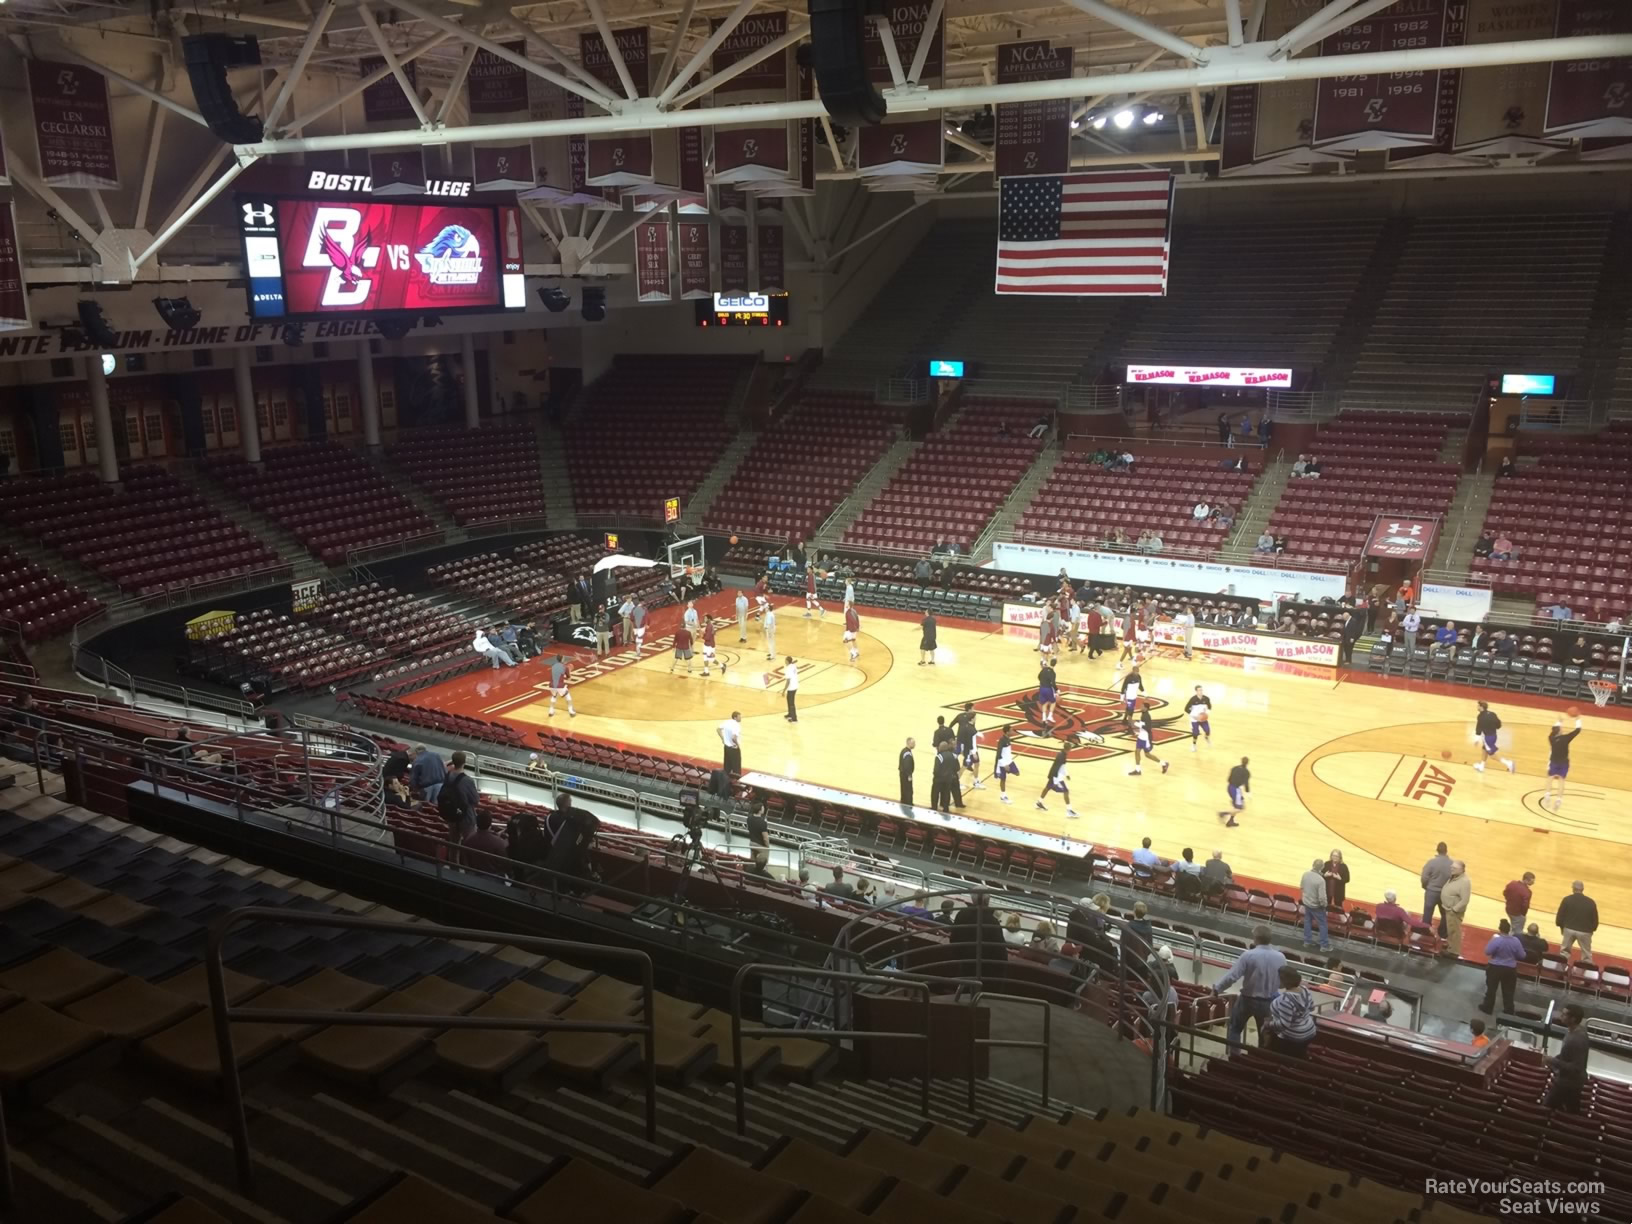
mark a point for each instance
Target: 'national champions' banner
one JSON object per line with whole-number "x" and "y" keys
{"x": 623, "y": 159}
{"x": 1033, "y": 137}
{"x": 1591, "y": 98}
{"x": 1402, "y": 539}
{"x": 905, "y": 152}
{"x": 502, "y": 167}
{"x": 749, "y": 154}
{"x": 496, "y": 86}
{"x": 652, "y": 280}
{"x": 73, "y": 125}
{"x": 384, "y": 101}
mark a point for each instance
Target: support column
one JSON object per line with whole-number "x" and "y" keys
{"x": 467, "y": 355}
{"x": 107, "y": 455}
{"x": 249, "y": 424}
{"x": 368, "y": 396}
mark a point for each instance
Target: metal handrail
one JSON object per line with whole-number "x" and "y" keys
{"x": 1045, "y": 1045}
{"x": 222, "y": 1014}
{"x": 916, "y": 983}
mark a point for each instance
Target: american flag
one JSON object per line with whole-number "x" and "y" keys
{"x": 1085, "y": 234}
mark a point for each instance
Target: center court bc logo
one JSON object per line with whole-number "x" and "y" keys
{"x": 1094, "y": 714}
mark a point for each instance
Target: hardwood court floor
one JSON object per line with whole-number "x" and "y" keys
{"x": 1355, "y": 766}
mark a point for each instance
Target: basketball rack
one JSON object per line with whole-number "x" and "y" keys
{"x": 1601, "y": 690}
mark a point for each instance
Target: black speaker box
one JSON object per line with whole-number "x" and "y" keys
{"x": 209, "y": 56}
{"x": 837, "y": 28}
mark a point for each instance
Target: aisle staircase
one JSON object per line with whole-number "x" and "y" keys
{"x": 719, "y": 475}
{"x": 849, "y": 510}
{"x": 1362, "y": 309}
{"x": 1453, "y": 553}
{"x": 559, "y": 509}
{"x": 222, "y": 499}
{"x": 1253, "y": 515}
{"x": 398, "y": 478}
{"x": 1015, "y": 504}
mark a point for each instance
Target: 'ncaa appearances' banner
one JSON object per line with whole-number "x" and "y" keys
{"x": 13, "y": 292}
{"x": 652, "y": 281}
{"x": 1384, "y": 110}
{"x": 73, "y": 125}
{"x": 905, "y": 152}
{"x": 384, "y": 101}
{"x": 623, "y": 159}
{"x": 696, "y": 258}
{"x": 1174, "y": 573}
{"x": 1033, "y": 137}
{"x": 1591, "y": 98}
{"x": 496, "y": 86}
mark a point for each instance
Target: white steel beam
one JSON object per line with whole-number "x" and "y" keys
{"x": 673, "y": 53}
{"x": 390, "y": 58}
{"x": 1347, "y": 19}
{"x": 1249, "y": 66}
{"x": 1255, "y": 24}
{"x": 545, "y": 45}
{"x": 298, "y": 68}
{"x": 192, "y": 210}
{"x": 931, "y": 27}
{"x": 45, "y": 195}
{"x": 611, "y": 44}
{"x": 700, "y": 56}
{"x": 58, "y": 51}
{"x": 1232, "y": 19}
{"x": 1141, "y": 28}
{"x": 1315, "y": 20}
{"x": 351, "y": 91}
{"x": 832, "y": 143}
{"x": 457, "y": 83}
{"x": 1201, "y": 119}
{"x": 886, "y": 35}
{"x": 155, "y": 141}
{"x": 709, "y": 85}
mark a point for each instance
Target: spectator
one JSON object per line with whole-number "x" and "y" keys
{"x": 1258, "y": 970}
{"x": 1145, "y": 861}
{"x": 1569, "y": 1064}
{"x": 397, "y": 796}
{"x": 1014, "y": 932}
{"x": 1186, "y": 864}
{"x": 1516, "y": 900}
{"x": 1579, "y": 653}
{"x": 759, "y": 835}
{"x": 1391, "y": 911}
{"x": 1312, "y": 468}
{"x": 1313, "y": 886}
{"x": 1086, "y": 927}
{"x": 456, "y": 801}
{"x": 839, "y": 886}
{"x": 1560, "y": 612}
{"x": 1410, "y": 626}
{"x": 1040, "y": 429}
{"x": 510, "y": 639}
{"x": 921, "y": 571}
{"x": 1201, "y": 511}
{"x": 527, "y": 640}
{"x": 484, "y": 646}
{"x": 1137, "y": 935}
{"x": 427, "y": 773}
{"x": 1502, "y": 956}
{"x": 486, "y": 842}
{"x": 1503, "y": 645}
{"x": 979, "y": 935}
{"x": 1453, "y": 903}
{"x": 806, "y": 884}
{"x": 1266, "y": 542}
{"x": 1301, "y": 465}
{"x": 1501, "y": 548}
{"x": 1223, "y": 517}
{"x": 1217, "y": 873}
{"x": 1483, "y": 546}
{"x": 1044, "y": 938}
{"x": 396, "y": 765}
{"x": 1187, "y": 884}
{"x": 1155, "y": 544}
{"x": 1577, "y": 920}
{"x": 1435, "y": 872}
{"x": 1445, "y": 638}
{"x": 948, "y": 912}
{"x": 1336, "y": 872}
{"x": 1224, "y": 428}
{"x": 1535, "y": 947}
{"x": 915, "y": 907}
{"x": 524, "y": 838}
{"x": 1292, "y": 1014}
{"x": 1477, "y": 1029}
{"x": 1506, "y": 468}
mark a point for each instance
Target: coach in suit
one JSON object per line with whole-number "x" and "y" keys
{"x": 906, "y": 766}
{"x": 1352, "y": 629}
{"x": 943, "y": 778}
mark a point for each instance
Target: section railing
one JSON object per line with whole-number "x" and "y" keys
{"x": 223, "y": 1014}
{"x": 901, "y": 391}
{"x": 1046, "y": 1045}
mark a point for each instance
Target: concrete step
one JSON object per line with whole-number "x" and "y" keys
{"x": 398, "y": 478}
{"x": 697, "y": 505}
{"x": 879, "y": 475}
{"x": 284, "y": 542}
{"x": 559, "y": 507}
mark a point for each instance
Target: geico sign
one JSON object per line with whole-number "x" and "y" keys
{"x": 319, "y": 181}
{"x": 741, "y": 301}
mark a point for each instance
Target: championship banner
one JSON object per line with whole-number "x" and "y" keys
{"x": 679, "y": 167}
{"x": 13, "y": 291}
{"x": 1502, "y": 111}
{"x": 1267, "y": 127}
{"x": 904, "y": 153}
{"x": 696, "y": 256}
{"x": 731, "y": 203}
{"x": 623, "y": 159}
{"x": 306, "y": 595}
{"x": 561, "y": 162}
{"x": 1402, "y": 539}
{"x": 73, "y": 125}
{"x": 399, "y": 173}
{"x": 733, "y": 258}
{"x": 502, "y": 167}
{"x": 384, "y": 101}
{"x": 652, "y": 280}
{"x": 5, "y": 175}
{"x": 772, "y": 264}
{"x": 1591, "y": 98}
{"x": 1033, "y": 137}
{"x": 756, "y": 152}
{"x": 495, "y": 86}
{"x": 1381, "y": 110}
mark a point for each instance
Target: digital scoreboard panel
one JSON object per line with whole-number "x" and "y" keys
{"x": 743, "y": 310}
{"x": 311, "y": 259}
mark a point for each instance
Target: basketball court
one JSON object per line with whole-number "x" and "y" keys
{"x": 1377, "y": 770}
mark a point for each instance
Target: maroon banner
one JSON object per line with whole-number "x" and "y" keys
{"x": 733, "y": 258}
{"x": 911, "y": 146}
{"x": 772, "y": 267}
{"x": 73, "y": 125}
{"x": 1404, "y": 539}
{"x": 495, "y": 86}
{"x": 578, "y": 165}
{"x": 13, "y": 293}
{"x": 384, "y": 101}
{"x": 1382, "y": 110}
{"x": 807, "y": 134}
{"x": 1239, "y": 140}
{"x": 397, "y": 173}
{"x": 696, "y": 279}
{"x": 502, "y": 167}
{"x": 652, "y": 281}
{"x": 1033, "y": 137}
{"x": 731, "y": 203}
{"x": 745, "y": 154}
{"x": 1591, "y": 97}
{"x": 5, "y": 175}
{"x": 623, "y": 159}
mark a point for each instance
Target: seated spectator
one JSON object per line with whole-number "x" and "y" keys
{"x": 1503, "y": 644}
{"x": 1480, "y": 1040}
{"x": 1292, "y": 1015}
{"x": 1154, "y": 544}
{"x": 1301, "y": 465}
{"x": 1501, "y": 548}
{"x": 1223, "y": 516}
{"x": 1287, "y": 624}
{"x": 1044, "y": 939}
{"x": 485, "y": 842}
{"x": 948, "y": 911}
{"x": 1127, "y": 461}
{"x": 1138, "y": 934}
{"x": 1560, "y": 612}
{"x": 396, "y": 794}
{"x": 1613, "y": 625}
{"x": 1216, "y": 872}
{"x": 1483, "y": 546}
{"x": 1507, "y": 465}
{"x": 1003, "y": 427}
{"x": 1445, "y": 638}
{"x": 1266, "y": 542}
{"x": 1040, "y": 429}
{"x": 1535, "y": 946}
{"x": 1201, "y": 511}
{"x": 524, "y": 838}
{"x": 486, "y": 645}
{"x": 1248, "y": 618}
{"x": 1145, "y": 861}
{"x": 839, "y": 887}
{"x": 1313, "y": 467}
{"x": 1391, "y": 911}
{"x": 1578, "y": 653}
{"x": 915, "y": 907}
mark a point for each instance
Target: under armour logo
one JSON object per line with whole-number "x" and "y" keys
{"x": 1030, "y": 160}
{"x": 750, "y": 149}
{"x": 1405, "y": 529}
{"x": 617, "y": 156}
{"x": 1375, "y": 110}
{"x": 257, "y": 214}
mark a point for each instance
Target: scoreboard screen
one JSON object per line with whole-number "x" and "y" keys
{"x": 743, "y": 310}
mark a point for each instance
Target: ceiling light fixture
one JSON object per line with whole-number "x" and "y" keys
{"x": 1123, "y": 119}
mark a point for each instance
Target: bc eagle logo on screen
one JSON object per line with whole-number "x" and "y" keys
{"x": 453, "y": 257}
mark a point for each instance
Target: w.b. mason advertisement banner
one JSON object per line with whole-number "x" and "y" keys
{"x": 1174, "y": 573}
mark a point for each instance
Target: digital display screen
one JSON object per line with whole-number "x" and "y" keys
{"x": 945, "y": 369}
{"x": 316, "y": 258}
{"x": 1528, "y": 384}
{"x": 1217, "y": 376}
{"x": 743, "y": 310}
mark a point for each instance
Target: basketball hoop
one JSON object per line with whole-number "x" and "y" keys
{"x": 1602, "y": 691}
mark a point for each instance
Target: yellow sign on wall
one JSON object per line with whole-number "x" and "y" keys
{"x": 211, "y": 625}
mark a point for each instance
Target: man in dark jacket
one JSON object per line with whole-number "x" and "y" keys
{"x": 427, "y": 773}
{"x": 944, "y": 778}
{"x": 976, "y": 925}
{"x": 457, "y": 800}
{"x": 396, "y": 766}
{"x": 906, "y": 767}
{"x": 1569, "y": 1065}
{"x": 1577, "y": 920}
{"x": 1535, "y": 947}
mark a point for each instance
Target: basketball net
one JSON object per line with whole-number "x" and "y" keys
{"x": 1602, "y": 691}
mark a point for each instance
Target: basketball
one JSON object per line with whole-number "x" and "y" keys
{"x": 733, "y": 539}
{"x": 1573, "y": 711}
{"x": 1444, "y": 754}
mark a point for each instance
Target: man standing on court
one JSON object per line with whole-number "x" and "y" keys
{"x": 638, "y": 618}
{"x": 626, "y": 616}
{"x": 603, "y": 633}
{"x": 790, "y": 676}
{"x": 1435, "y": 872}
{"x": 1238, "y": 785}
{"x": 926, "y": 640}
{"x": 768, "y": 625}
{"x": 1453, "y": 903}
{"x": 943, "y": 777}
{"x": 558, "y": 686}
{"x": 1258, "y": 969}
{"x": 731, "y": 737}
{"x": 905, "y": 767}
{"x": 1353, "y": 627}
{"x": 690, "y": 619}
{"x": 742, "y": 616}
{"x": 1516, "y": 898}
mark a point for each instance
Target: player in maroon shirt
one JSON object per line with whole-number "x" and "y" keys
{"x": 852, "y": 630}
{"x": 682, "y": 648}
{"x": 708, "y": 645}
{"x": 810, "y": 593}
